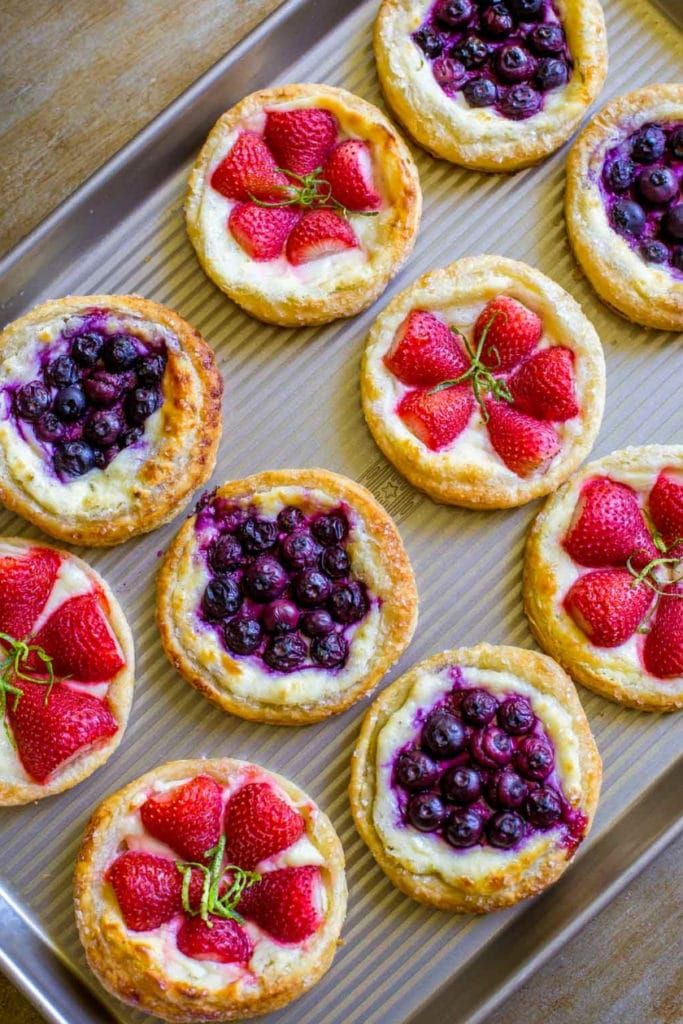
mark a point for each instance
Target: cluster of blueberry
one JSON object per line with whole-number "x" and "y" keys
{"x": 502, "y": 55}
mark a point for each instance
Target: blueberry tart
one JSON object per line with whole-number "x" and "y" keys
{"x": 624, "y": 205}
{"x": 303, "y": 204}
{"x": 110, "y": 416}
{"x": 209, "y": 890}
{"x": 484, "y": 383}
{"x": 603, "y": 577}
{"x": 492, "y": 86}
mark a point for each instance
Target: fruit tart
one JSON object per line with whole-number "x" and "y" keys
{"x": 110, "y": 416}
{"x": 603, "y": 577}
{"x": 303, "y": 204}
{"x": 475, "y": 778}
{"x": 624, "y": 205}
{"x": 287, "y": 596}
{"x": 492, "y": 86}
{"x": 484, "y": 383}
{"x": 66, "y": 671}
{"x": 209, "y": 890}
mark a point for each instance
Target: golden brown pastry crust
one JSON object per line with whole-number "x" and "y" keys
{"x": 466, "y": 281}
{"x": 127, "y": 970}
{"x": 599, "y": 669}
{"x": 522, "y": 879}
{"x": 637, "y": 290}
{"x": 185, "y": 458}
{"x": 481, "y": 139}
{"x": 119, "y": 697}
{"x": 398, "y": 610}
{"x": 401, "y": 186}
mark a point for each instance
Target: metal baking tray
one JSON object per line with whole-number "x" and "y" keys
{"x": 292, "y": 400}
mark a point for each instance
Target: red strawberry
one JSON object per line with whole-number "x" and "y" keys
{"x": 26, "y": 583}
{"x": 79, "y": 639}
{"x": 47, "y": 735}
{"x": 319, "y": 233}
{"x": 608, "y": 526}
{"x": 608, "y": 605}
{"x": 284, "y": 903}
{"x": 300, "y": 140}
{"x": 261, "y": 230}
{"x": 514, "y": 331}
{"x": 523, "y": 443}
{"x": 259, "y": 824}
{"x": 188, "y": 817}
{"x": 425, "y": 351}
{"x": 225, "y": 941}
{"x": 438, "y": 418}
{"x": 349, "y": 173}
{"x": 663, "y": 648}
{"x": 666, "y": 507}
{"x": 249, "y": 172}
{"x": 543, "y": 386}
{"x": 148, "y": 888}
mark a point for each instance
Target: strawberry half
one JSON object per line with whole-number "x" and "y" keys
{"x": 608, "y": 526}
{"x": 301, "y": 140}
{"x": 261, "y": 230}
{"x": 80, "y": 641}
{"x": 187, "y": 818}
{"x": 666, "y": 507}
{"x": 513, "y": 332}
{"x": 608, "y": 605}
{"x": 285, "y": 903}
{"x": 437, "y": 418}
{"x": 523, "y": 443}
{"x": 249, "y": 172}
{"x": 148, "y": 889}
{"x": 543, "y": 386}
{"x": 663, "y": 648}
{"x": 225, "y": 941}
{"x": 425, "y": 351}
{"x": 26, "y": 582}
{"x": 319, "y": 233}
{"x": 259, "y": 824}
{"x": 350, "y": 176}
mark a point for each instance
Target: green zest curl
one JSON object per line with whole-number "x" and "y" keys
{"x": 312, "y": 190}
{"x": 12, "y": 668}
{"x": 483, "y": 381}
{"x": 211, "y": 903}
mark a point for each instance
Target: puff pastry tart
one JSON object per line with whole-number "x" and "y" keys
{"x": 492, "y": 86}
{"x": 624, "y": 205}
{"x": 476, "y": 777}
{"x": 287, "y": 596}
{"x": 66, "y": 671}
{"x": 209, "y": 890}
{"x": 303, "y": 204}
{"x": 109, "y": 416}
{"x": 484, "y": 383}
{"x": 603, "y": 577}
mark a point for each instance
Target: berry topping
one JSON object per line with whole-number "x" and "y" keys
{"x": 673, "y": 222}
{"x": 654, "y": 252}
{"x": 222, "y": 597}
{"x": 426, "y": 811}
{"x": 80, "y": 642}
{"x": 257, "y": 535}
{"x": 299, "y": 550}
{"x": 437, "y": 418}
{"x": 416, "y": 770}
{"x": 551, "y": 73}
{"x": 480, "y": 92}
{"x": 464, "y": 828}
{"x": 546, "y": 39}
{"x": 330, "y": 650}
{"x": 226, "y": 554}
{"x": 491, "y": 748}
{"x": 520, "y": 102}
{"x": 70, "y": 403}
{"x": 243, "y": 636}
{"x": 319, "y": 233}
{"x": 103, "y": 388}
{"x": 608, "y": 527}
{"x": 454, "y": 13}
{"x": 429, "y": 42}
{"x": 515, "y": 64}
{"x": 312, "y": 588}
{"x": 496, "y": 20}
{"x": 527, "y": 10}
{"x": 285, "y": 903}
{"x": 348, "y": 603}
{"x": 335, "y": 562}
{"x": 663, "y": 648}
{"x": 186, "y": 818}
{"x": 507, "y": 789}
{"x": 61, "y": 372}
{"x": 75, "y": 458}
{"x": 330, "y": 528}
{"x": 50, "y": 428}
{"x": 141, "y": 403}
{"x": 608, "y": 605}
{"x": 478, "y": 707}
{"x": 285, "y": 652}
{"x": 426, "y": 351}
{"x": 534, "y": 758}
{"x": 472, "y": 52}
{"x": 87, "y": 348}
{"x": 648, "y": 144}
{"x": 666, "y": 506}
{"x": 150, "y": 370}
{"x": 461, "y": 785}
{"x": 289, "y": 518}
{"x": 620, "y": 174}
{"x": 657, "y": 184}
{"x": 281, "y": 617}
{"x": 317, "y": 623}
{"x": 265, "y": 579}
{"x": 443, "y": 734}
{"x": 261, "y": 230}
{"x": 249, "y": 172}
{"x": 516, "y": 716}
{"x": 350, "y": 176}
{"x": 628, "y": 218}
{"x": 543, "y": 385}
{"x": 300, "y": 140}
{"x": 259, "y": 824}
{"x": 103, "y": 427}
{"x": 449, "y": 72}
{"x": 147, "y": 888}
{"x": 505, "y": 829}
{"x": 523, "y": 443}
{"x": 26, "y": 583}
{"x": 543, "y": 807}
{"x": 119, "y": 354}
{"x": 218, "y": 939}
{"x": 31, "y": 401}
{"x": 512, "y": 331}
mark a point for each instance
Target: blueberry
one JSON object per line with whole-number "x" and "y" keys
{"x": 472, "y": 52}
{"x": 676, "y": 143}
{"x": 520, "y": 102}
{"x": 480, "y": 92}
{"x": 312, "y": 588}
{"x": 673, "y": 222}
{"x": 31, "y": 400}
{"x": 265, "y": 579}
{"x": 289, "y": 518}
{"x": 677, "y": 257}
{"x": 491, "y": 748}
{"x": 222, "y": 597}
{"x": 443, "y": 734}
{"x": 628, "y": 218}
{"x": 415, "y": 770}
{"x": 478, "y": 707}
{"x": 285, "y": 652}
{"x": 514, "y": 64}
{"x": 150, "y": 369}
{"x": 546, "y": 39}
{"x": 428, "y": 41}
{"x": 49, "y": 427}
{"x": 119, "y": 353}
{"x": 464, "y": 828}
{"x": 449, "y": 72}
{"x": 657, "y": 185}
{"x": 242, "y": 635}
{"x": 225, "y": 554}
{"x": 281, "y": 617}
{"x": 103, "y": 388}
{"x": 507, "y": 789}
{"x": 330, "y": 529}
{"x": 516, "y": 716}
{"x": 61, "y": 372}
{"x": 620, "y": 174}
{"x": 141, "y": 403}
{"x": 257, "y": 535}
{"x": 130, "y": 436}
{"x": 70, "y": 403}
{"x": 299, "y": 550}
{"x": 99, "y": 458}
{"x": 348, "y": 602}
{"x": 426, "y": 811}
{"x": 496, "y": 20}
{"x": 527, "y": 10}
{"x": 654, "y": 252}
{"x": 505, "y": 829}
{"x": 86, "y": 348}
{"x": 316, "y": 623}
{"x": 454, "y": 13}
{"x": 543, "y": 807}
{"x": 461, "y": 785}
{"x": 551, "y": 73}
{"x": 74, "y": 459}
{"x": 103, "y": 427}
{"x": 330, "y": 651}
{"x": 534, "y": 758}
{"x": 648, "y": 144}
{"x": 335, "y": 562}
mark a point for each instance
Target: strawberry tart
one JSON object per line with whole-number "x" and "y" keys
{"x": 603, "y": 577}
{"x": 484, "y": 383}
{"x": 66, "y": 671}
{"x": 209, "y": 890}
{"x": 110, "y": 416}
{"x": 303, "y": 204}
{"x": 475, "y": 778}
{"x": 287, "y": 596}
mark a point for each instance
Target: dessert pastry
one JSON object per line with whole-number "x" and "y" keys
{"x": 287, "y": 596}
{"x": 475, "y": 778}
{"x": 110, "y": 416}
{"x": 209, "y": 890}
{"x": 303, "y": 204}
{"x": 66, "y": 671}
{"x": 603, "y": 577}
{"x": 624, "y": 205}
{"x": 492, "y": 86}
{"x": 484, "y": 383}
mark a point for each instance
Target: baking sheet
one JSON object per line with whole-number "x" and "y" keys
{"x": 292, "y": 400}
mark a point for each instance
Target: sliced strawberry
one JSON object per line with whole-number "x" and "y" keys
{"x": 285, "y": 903}
{"x": 666, "y": 507}
{"x": 608, "y": 526}
{"x": 26, "y": 582}
{"x": 80, "y": 641}
{"x": 259, "y": 824}
{"x": 49, "y": 734}
{"x": 220, "y": 939}
{"x": 437, "y": 418}
{"x": 301, "y": 140}
{"x": 148, "y": 888}
{"x": 608, "y": 605}
{"x": 513, "y": 331}
{"x": 319, "y": 233}
{"x": 261, "y": 230}
{"x": 543, "y": 386}
{"x": 188, "y": 817}
{"x": 425, "y": 351}
{"x": 523, "y": 443}
{"x": 350, "y": 176}
{"x": 249, "y": 172}
{"x": 663, "y": 648}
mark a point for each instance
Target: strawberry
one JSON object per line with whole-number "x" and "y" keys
{"x": 188, "y": 817}
{"x": 249, "y": 172}
{"x": 513, "y": 332}
{"x": 349, "y": 173}
{"x": 148, "y": 888}
{"x": 543, "y": 386}
{"x": 80, "y": 641}
{"x": 425, "y": 351}
{"x": 666, "y": 507}
{"x": 437, "y": 418}
{"x": 26, "y": 583}
{"x": 284, "y": 903}
{"x": 301, "y": 140}
{"x": 608, "y": 526}
{"x": 261, "y": 230}
{"x": 663, "y": 648}
{"x": 319, "y": 233}
{"x": 48, "y": 734}
{"x": 523, "y": 443}
{"x": 220, "y": 939}
{"x": 259, "y": 824}
{"x": 608, "y": 605}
